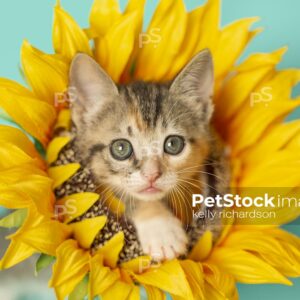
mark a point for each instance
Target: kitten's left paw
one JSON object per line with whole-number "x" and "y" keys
{"x": 162, "y": 238}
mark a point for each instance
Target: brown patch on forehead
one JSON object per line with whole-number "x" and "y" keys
{"x": 140, "y": 124}
{"x": 137, "y": 119}
{"x": 145, "y": 102}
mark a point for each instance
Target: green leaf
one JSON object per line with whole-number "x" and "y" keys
{"x": 15, "y": 219}
{"x": 43, "y": 262}
{"x": 81, "y": 290}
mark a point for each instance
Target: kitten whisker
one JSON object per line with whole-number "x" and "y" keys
{"x": 170, "y": 197}
{"x": 183, "y": 195}
{"x": 202, "y": 183}
{"x": 202, "y": 172}
{"x": 185, "y": 181}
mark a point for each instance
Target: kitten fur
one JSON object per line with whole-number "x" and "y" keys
{"x": 145, "y": 114}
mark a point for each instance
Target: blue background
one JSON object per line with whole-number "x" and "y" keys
{"x": 32, "y": 20}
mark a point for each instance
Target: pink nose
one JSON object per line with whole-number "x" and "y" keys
{"x": 152, "y": 177}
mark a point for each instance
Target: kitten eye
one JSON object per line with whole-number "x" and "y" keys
{"x": 174, "y": 144}
{"x": 121, "y": 149}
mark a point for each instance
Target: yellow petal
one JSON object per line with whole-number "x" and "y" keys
{"x": 138, "y": 264}
{"x": 272, "y": 251}
{"x": 280, "y": 166}
{"x": 214, "y": 294}
{"x": 195, "y": 276}
{"x": 291, "y": 244}
{"x": 134, "y": 5}
{"x": 69, "y": 269}
{"x": 211, "y": 19}
{"x": 275, "y": 140}
{"x": 35, "y": 116}
{"x": 101, "y": 278}
{"x": 236, "y": 92}
{"x": 34, "y": 219}
{"x": 13, "y": 175}
{"x": 227, "y": 227}
{"x": 237, "y": 89}
{"x": 258, "y": 60}
{"x": 119, "y": 290}
{"x": 238, "y": 34}
{"x": 36, "y": 64}
{"x": 13, "y": 199}
{"x": 12, "y": 156}
{"x": 75, "y": 205}
{"x": 134, "y": 294}
{"x": 203, "y": 247}
{"x": 219, "y": 285}
{"x": 162, "y": 41}
{"x": 245, "y": 267}
{"x": 18, "y": 138}
{"x": 256, "y": 241}
{"x": 111, "y": 249}
{"x": 290, "y": 268}
{"x": 63, "y": 120}
{"x": 281, "y": 83}
{"x": 30, "y": 186}
{"x": 168, "y": 277}
{"x": 39, "y": 189}
{"x": 60, "y": 174}
{"x": 114, "y": 49}
{"x": 138, "y": 7}
{"x": 86, "y": 230}
{"x": 41, "y": 233}
{"x": 189, "y": 43}
{"x": 260, "y": 118}
{"x": 125, "y": 275}
{"x": 54, "y": 147}
{"x": 16, "y": 253}
{"x": 104, "y": 15}
{"x": 15, "y": 87}
{"x": 274, "y": 90}
{"x": 294, "y": 144}
{"x": 284, "y": 237}
{"x": 154, "y": 293}
{"x": 68, "y": 37}
{"x": 45, "y": 237}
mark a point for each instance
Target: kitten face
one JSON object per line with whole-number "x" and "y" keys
{"x": 142, "y": 140}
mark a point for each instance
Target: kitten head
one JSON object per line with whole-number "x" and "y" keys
{"x": 143, "y": 140}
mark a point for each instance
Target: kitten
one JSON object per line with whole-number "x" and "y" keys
{"x": 148, "y": 143}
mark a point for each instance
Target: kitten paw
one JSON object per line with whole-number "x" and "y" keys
{"x": 162, "y": 238}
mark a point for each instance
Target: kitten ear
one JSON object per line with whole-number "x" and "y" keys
{"x": 195, "y": 83}
{"x": 89, "y": 88}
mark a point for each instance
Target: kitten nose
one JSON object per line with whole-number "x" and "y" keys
{"x": 151, "y": 170}
{"x": 152, "y": 177}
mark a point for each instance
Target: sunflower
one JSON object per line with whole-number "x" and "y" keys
{"x": 264, "y": 152}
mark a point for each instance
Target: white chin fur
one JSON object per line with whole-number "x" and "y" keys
{"x": 148, "y": 197}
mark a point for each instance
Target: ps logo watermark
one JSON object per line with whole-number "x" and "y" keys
{"x": 151, "y": 149}
{"x": 153, "y": 37}
{"x": 263, "y": 96}
{"x": 68, "y": 208}
{"x": 65, "y": 98}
